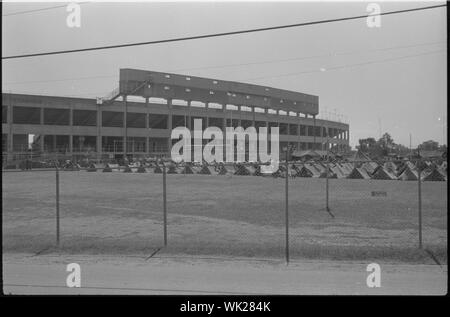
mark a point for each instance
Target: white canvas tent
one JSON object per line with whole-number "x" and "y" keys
{"x": 408, "y": 175}
{"x": 382, "y": 173}
{"x": 358, "y": 173}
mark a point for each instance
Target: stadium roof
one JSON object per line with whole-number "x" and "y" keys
{"x": 175, "y": 86}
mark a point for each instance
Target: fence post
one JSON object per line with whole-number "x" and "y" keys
{"x": 287, "y": 208}
{"x": 327, "y": 181}
{"x": 57, "y": 205}
{"x": 165, "y": 204}
{"x": 420, "y": 206}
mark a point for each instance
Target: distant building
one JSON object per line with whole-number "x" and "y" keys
{"x": 431, "y": 154}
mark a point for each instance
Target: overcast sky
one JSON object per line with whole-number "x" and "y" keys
{"x": 389, "y": 79}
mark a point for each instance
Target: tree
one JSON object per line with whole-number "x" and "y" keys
{"x": 366, "y": 144}
{"x": 386, "y": 144}
{"x": 386, "y": 141}
{"x": 401, "y": 150}
{"x": 382, "y": 147}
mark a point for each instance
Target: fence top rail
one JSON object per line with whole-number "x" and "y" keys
{"x": 29, "y": 170}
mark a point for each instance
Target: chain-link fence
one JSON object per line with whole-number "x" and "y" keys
{"x": 321, "y": 209}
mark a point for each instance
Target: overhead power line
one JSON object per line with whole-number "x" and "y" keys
{"x": 313, "y": 56}
{"x": 38, "y": 10}
{"x": 304, "y": 72}
{"x": 348, "y": 65}
{"x": 41, "y": 93}
{"x": 197, "y": 37}
{"x": 60, "y": 80}
{"x": 232, "y": 65}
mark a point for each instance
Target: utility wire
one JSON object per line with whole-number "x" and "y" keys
{"x": 233, "y": 65}
{"x": 30, "y": 11}
{"x": 59, "y": 80}
{"x": 40, "y": 93}
{"x": 128, "y": 289}
{"x": 346, "y": 66}
{"x": 312, "y": 57}
{"x": 179, "y": 39}
{"x": 315, "y": 70}
{"x": 38, "y": 10}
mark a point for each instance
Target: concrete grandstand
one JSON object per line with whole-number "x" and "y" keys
{"x": 144, "y": 109}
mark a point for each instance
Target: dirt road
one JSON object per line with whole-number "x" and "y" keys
{"x": 46, "y": 274}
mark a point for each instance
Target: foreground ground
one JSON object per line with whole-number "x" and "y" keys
{"x": 121, "y": 214}
{"x": 162, "y": 274}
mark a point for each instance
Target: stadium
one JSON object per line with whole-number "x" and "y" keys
{"x": 146, "y": 106}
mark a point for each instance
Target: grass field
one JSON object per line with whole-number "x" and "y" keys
{"x": 119, "y": 213}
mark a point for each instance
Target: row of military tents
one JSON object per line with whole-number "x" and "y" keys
{"x": 405, "y": 170}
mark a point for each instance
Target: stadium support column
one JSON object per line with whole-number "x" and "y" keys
{"x": 298, "y": 131}
{"x": 125, "y": 136}
{"x": 71, "y": 132}
{"x": 320, "y": 146}
{"x": 240, "y": 116}
{"x": 267, "y": 119}
{"x": 99, "y": 132}
{"x": 9, "y": 146}
{"x": 207, "y": 114}
{"x": 314, "y": 133}
{"x": 253, "y": 117}
{"x": 41, "y": 121}
{"x": 254, "y": 125}
{"x": 54, "y": 143}
{"x": 147, "y": 127}
{"x": 266, "y": 111}
{"x": 224, "y": 129}
{"x": 71, "y": 145}
{"x": 169, "y": 125}
{"x": 188, "y": 121}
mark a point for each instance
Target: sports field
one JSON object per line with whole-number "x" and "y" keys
{"x": 239, "y": 216}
